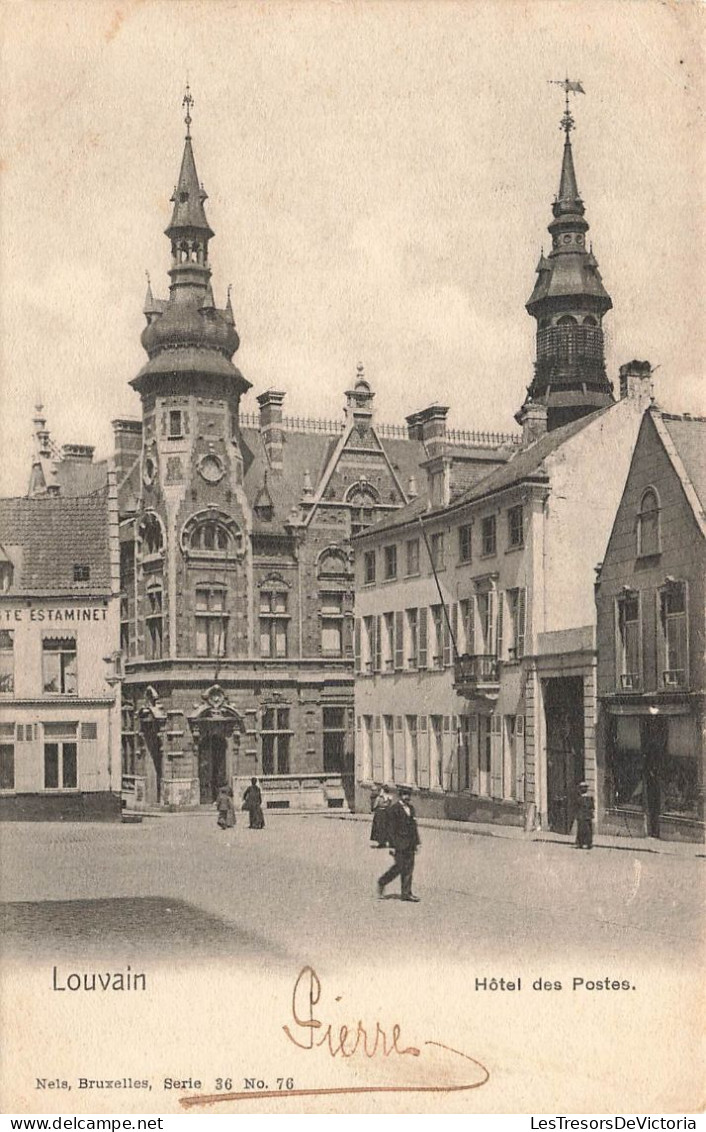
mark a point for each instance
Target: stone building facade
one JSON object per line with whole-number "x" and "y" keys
{"x": 236, "y": 562}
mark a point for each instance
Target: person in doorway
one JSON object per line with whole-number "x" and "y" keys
{"x": 225, "y": 808}
{"x": 585, "y": 809}
{"x": 252, "y": 802}
{"x": 403, "y": 836}
{"x": 381, "y": 803}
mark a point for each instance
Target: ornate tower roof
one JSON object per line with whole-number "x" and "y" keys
{"x": 187, "y": 334}
{"x": 568, "y": 302}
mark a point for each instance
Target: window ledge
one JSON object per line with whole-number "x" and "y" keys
{"x": 514, "y": 549}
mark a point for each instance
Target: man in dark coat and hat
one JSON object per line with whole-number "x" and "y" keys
{"x": 403, "y": 836}
{"x": 585, "y": 809}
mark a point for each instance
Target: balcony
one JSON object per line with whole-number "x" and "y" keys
{"x": 477, "y": 674}
{"x": 674, "y": 679}
{"x": 630, "y": 682}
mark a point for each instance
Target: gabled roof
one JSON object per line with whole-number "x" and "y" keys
{"x": 528, "y": 464}
{"x": 684, "y": 439}
{"x": 45, "y": 538}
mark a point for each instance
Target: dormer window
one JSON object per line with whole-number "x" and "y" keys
{"x": 648, "y": 532}
{"x": 6, "y": 573}
{"x": 82, "y": 572}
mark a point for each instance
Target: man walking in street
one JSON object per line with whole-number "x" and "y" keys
{"x": 403, "y": 836}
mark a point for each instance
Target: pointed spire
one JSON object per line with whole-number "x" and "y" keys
{"x": 229, "y": 307}
{"x": 189, "y": 194}
{"x": 568, "y": 189}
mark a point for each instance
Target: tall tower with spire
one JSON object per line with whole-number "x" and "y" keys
{"x": 569, "y": 302}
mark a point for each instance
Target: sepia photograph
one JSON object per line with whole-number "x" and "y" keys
{"x": 352, "y": 557}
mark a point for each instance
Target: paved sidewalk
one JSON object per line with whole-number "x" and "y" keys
{"x": 477, "y": 829}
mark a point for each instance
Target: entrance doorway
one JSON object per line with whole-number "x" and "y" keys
{"x": 213, "y": 770}
{"x": 653, "y": 735}
{"x": 563, "y": 712}
{"x": 153, "y": 763}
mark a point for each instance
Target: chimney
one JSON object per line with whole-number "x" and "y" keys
{"x": 78, "y": 452}
{"x": 636, "y": 382}
{"x": 127, "y": 438}
{"x": 429, "y": 426}
{"x": 271, "y": 429}
{"x": 533, "y": 418}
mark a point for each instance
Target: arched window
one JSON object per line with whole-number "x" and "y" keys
{"x": 648, "y": 540}
{"x": 361, "y": 498}
{"x": 150, "y": 535}
{"x": 589, "y": 320}
{"x": 211, "y": 534}
{"x": 566, "y": 320}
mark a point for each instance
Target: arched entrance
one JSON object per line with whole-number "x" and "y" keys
{"x": 216, "y": 728}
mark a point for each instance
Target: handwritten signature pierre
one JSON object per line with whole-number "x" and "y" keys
{"x": 309, "y": 1032}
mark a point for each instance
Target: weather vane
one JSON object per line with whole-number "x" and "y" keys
{"x": 569, "y": 87}
{"x": 188, "y": 102}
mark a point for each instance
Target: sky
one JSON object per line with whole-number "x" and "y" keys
{"x": 380, "y": 178}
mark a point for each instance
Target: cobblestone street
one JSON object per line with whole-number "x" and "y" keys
{"x": 305, "y": 886}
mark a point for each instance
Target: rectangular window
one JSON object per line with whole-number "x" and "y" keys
{"x": 423, "y": 648}
{"x": 332, "y": 624}
{"x": 484, "y": 754}
{"x": 388, "y": 748}
{"x": 399, "y": 640}
{"x": 436, "y": 546}
{"x": 124, "y": 625}
{"x": 516, "y": 606}
{"x": 467, "y": 611}
{"x": 82, "y": 572}
{"x": 274, "y": 623}
{"x": 436, "y": 749}
{"x": 59, "y": 665}
{"x": 7, "y": 660}
{"x": 466, "y": 747}
{"x": 7, "y": 766}
{"x": 437, "y": 643}
{"x": 154, "y": 624}
{"x": 674, "y": 638}
{"x": 276, "y": 737}
{"x": 412, "y": 565}
{"x": 60, "y": 756}
{"x": 629, "y": 668}
{"x": 334, "y": 721}
{"x": 211, "y": 621}
{"x": 128, "y": 738}
{"x": 464, "y": 543}
{"x": 412, "y": 616}
{"x": 489, "y": 536}
{"x": 390, "y": 562}
{"x": 89, "y": 732}
{"x": 515, "y": 527}
{"x": 388, "y": 641}
{"x": 175, "y": 424}
{"x": 368, "y": 644}
{"x": 369, "y": 567}
{"x": 412, "y": 751}
{"x": 377, "y": 659}
{"x": 486, "y": 622}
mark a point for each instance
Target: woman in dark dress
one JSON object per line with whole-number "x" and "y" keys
{"x": 225, "y": 808}
{"x": 381, "y": 804}
{"x": 252, "y": 802}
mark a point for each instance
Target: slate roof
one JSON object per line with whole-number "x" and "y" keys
{"x": 45, "y": 538}
{"x": 689, "y": 437}
{"x": 525, "y": 464}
